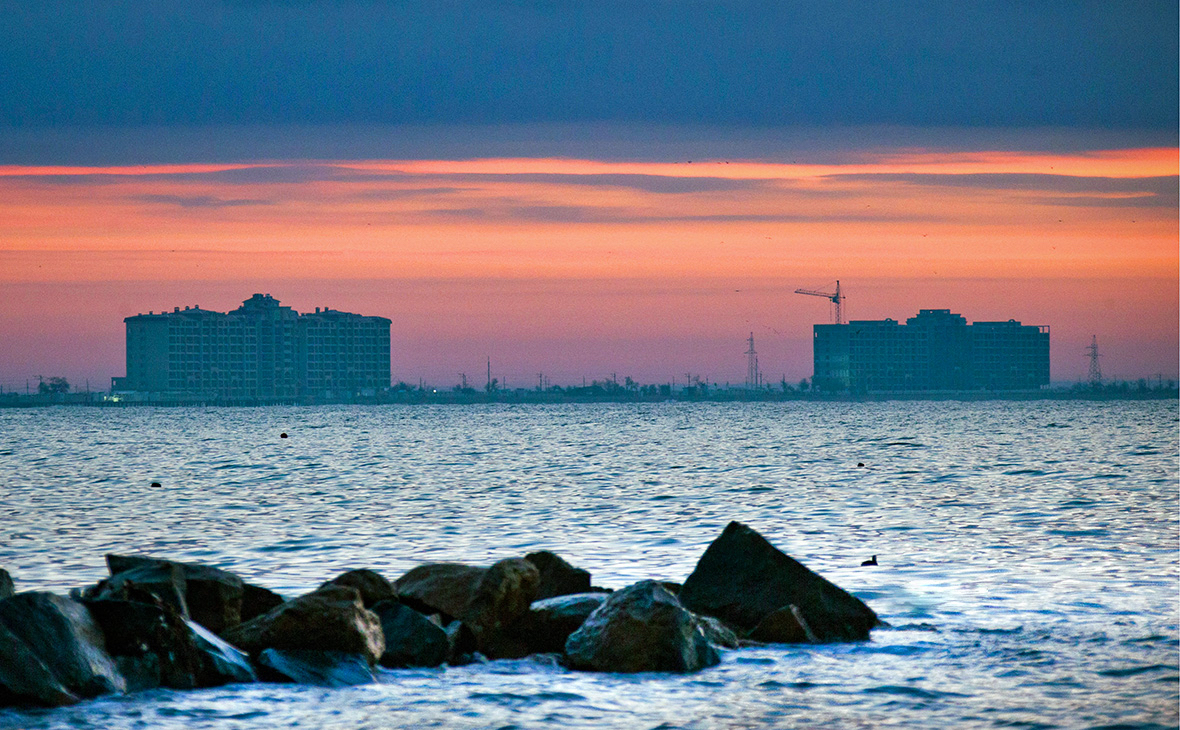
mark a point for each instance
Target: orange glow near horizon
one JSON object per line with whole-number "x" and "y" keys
{"x": 902, "y": 215}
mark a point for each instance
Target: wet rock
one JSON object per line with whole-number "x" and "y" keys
{"x": 372, "y": 586}
{"x": 63, "y": 635}
{"x": 502, "y": 596}
{"x": 214, "y": 596}
{"x": 221, "y": 663}
{"x": 444, "y": 588}
{"x": 716, "y": 632}
{"x": 25, "y": 679}
{"x": 642, "y": 628}
{"x": 550, "y": 621}
{"x": 320, "y": 668}
{"x": 148, "y": 640}
{"x": 7, "y": 588}
{"x": 330, "y": 619}
{"x": 257, "y": 600}
{"x": 741, "y": 579}
{"x": 411, "y": 639}
{"x": 461, "y": 643}
{"x": 558, "y": 578}
{"x": 163, "y": 581}
{"x": 784, "y": 626}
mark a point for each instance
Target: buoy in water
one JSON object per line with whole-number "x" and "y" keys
{"x": 283, "y": 435}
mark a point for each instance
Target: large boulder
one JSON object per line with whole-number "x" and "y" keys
{"x": 642, "y": 628}
{"x": 62, "y": 634}
{"x": 411, "y": 639}
{"x": 150, "y": 643}
{"x": 372, "y": 586}
{"x": 742, "y": 579}
{"x": 550, "y": 621}
{"x": 6, "y": 586}
{"x": 257, "y": 600}
{"x": 558, "y": 578}
{"x": 500, "y": 599}
{"x": 442, "y": 588}
{"x": 214, "y": 596}
{"x": 330, "y": 619}
{"x": 24, "y": 678}
{"x": 146, "y": 583}
{"x": 321, "y": 668}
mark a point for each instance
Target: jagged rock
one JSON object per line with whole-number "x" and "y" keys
{"x": 461, "y": 643}
{"x": 411, "y": 639}
{"x": 7, "y": 588}
{"x": 257, "y": 600}
{"x": 741, "y": 579}
{"x": 558, "y": 578}
{"x": 321, "y": 668}
{"x": 67, "y": 640}
{"x": 550, "y": 621}
{"x": 784, "y": 626}
{"x": 372, "y": 586}
{"x": 24, "y": 678}
{"x": 502, "y": 596}
{"x": 330, "y": 619}
{"x": 444, "y": 588}
{"x": 164, "y": 581}
{"x": 642, "y": 628}
{"x": 140, "y": 672}
{"x": 716, "y": 632}
{"x": 134, "y": 630}
{"x": 213, "y": 595}
{"x": 221, "y": 663}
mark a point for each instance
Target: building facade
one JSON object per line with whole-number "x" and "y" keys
{"x": 260, "y": 351}
{"x": 936, "y": 350}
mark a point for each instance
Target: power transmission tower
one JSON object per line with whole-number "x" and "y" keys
{"x": 1095, "y": 369}
{"x": 751, "y": 364}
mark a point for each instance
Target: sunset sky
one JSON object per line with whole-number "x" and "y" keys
{"x": 575, "y": 190}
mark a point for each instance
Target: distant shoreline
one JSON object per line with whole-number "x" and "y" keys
{"x": 415, "y": 397}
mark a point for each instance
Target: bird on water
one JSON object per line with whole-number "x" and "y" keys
{"x": 870, "y": 561}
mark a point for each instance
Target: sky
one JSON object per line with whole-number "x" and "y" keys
{"x": 580, "y": 189}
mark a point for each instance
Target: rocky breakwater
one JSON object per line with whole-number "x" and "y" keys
{"x": 156, "y": 622}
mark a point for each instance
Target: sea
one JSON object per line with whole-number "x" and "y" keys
{"x": 1027, "y": 551}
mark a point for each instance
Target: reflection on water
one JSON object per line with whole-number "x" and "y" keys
{"x": 1028, "y": 551}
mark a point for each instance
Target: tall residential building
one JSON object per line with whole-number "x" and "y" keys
{"x": 261, "y": 350}
{"x": 936, "y": 350}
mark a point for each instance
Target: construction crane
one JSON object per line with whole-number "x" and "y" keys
{"x": 835, "y": 298}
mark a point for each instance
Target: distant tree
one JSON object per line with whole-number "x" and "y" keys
{"x": 803, "y": 384}
{"x": 493, "y": 386}
{"x": 53, "y": 385}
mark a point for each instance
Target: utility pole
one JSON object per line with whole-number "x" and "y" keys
{"x": 1095, "y": 369}
{"x": 751, "y": 364}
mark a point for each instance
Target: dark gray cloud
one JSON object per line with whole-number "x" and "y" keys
{"x": 199, "y": 201}
{"x": 736, "y": 63}
{"x": 1140, "y": 192}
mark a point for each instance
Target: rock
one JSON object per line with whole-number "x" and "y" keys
{"x": 321, "y": 668}
{"x": 145, "y": 583}
{"x": 221, "y": 663}
{"x": 214, "y": 596}
{"x": 558, "y": 578}
{"x": 257, "y": 601}
{"x": 444, "y": 588}
{"x": 500, "y": 599}
{"x": 741, "y": 579}
{"x": 642, "y": 628}
{"x": 62, "y": 634}
{"x": 551, "y": 621}
{"x": 7, "y": 588}
{"x": 411, "y": 639}
{"x": 461, "y": 643}
{"x": 784, "y": 626}
{"x": 716, "y": 632}
{"x": 136, "y": 629}
{"x": 372, "y": 586}
{"x": 330, "y": 619}
{"x": 24, "y": 678}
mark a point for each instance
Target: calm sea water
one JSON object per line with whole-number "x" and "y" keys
{"x": 1028, "y": 551}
